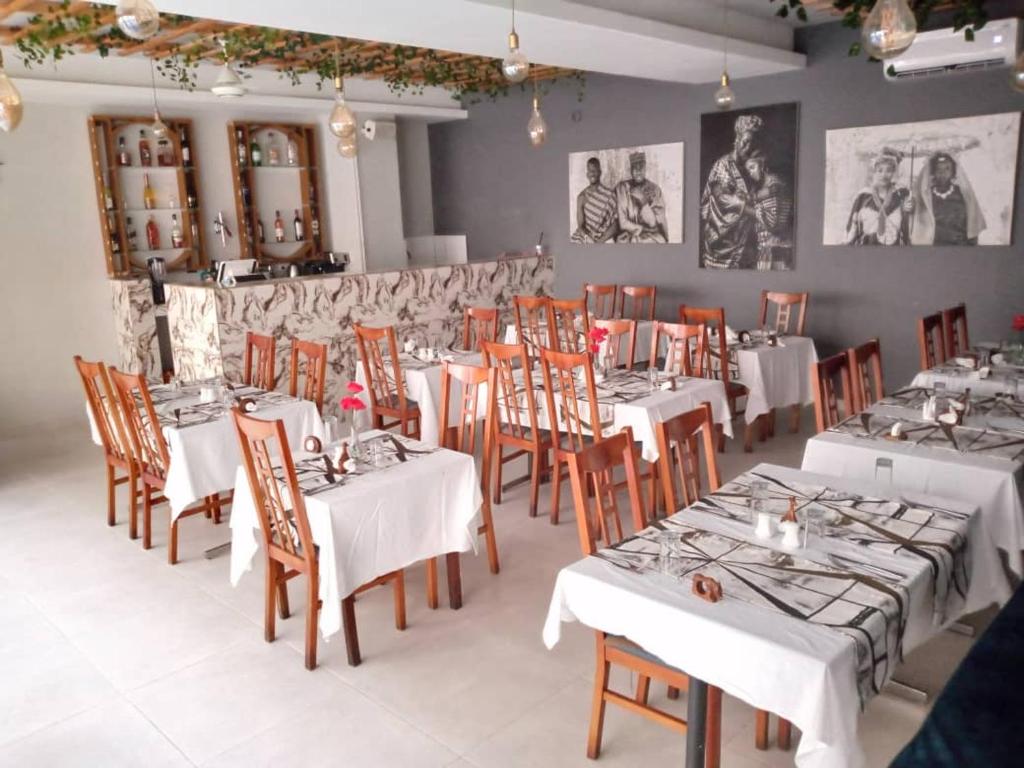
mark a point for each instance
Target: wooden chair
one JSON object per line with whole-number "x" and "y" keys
{"x": 117, "y": 456}
{"x": 149, "y": 452}
{"x": 258, "y": 372}
{"x": 601, "y": 300}
{"x": 866, "y": 374}
{"x": 620, "y": 333}
{"x": 288, "y": 541}
{"x": 387, "y": 388}
{"x": 826, "y": 404}
{"x": 531, "y": 317}
{"x": 568, "y": 325}
{"x": 784, "y": 303}
{"x": 592, "y": 468}
{"x": 687, "y": 351}
{"x": 930, "y": 341}
{"x": 316, "y": 371}
{"x": 479, "y": 324}
{"x": 642, "y": 301}
{"x": 954, "y": 326}
{"x": 513, "y": 415}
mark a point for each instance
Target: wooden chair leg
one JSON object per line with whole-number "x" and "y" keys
{"x": 282, "y": 592}
{"x": 133, "y": 506}
{"x": 720, "y": 432}
{"x": 795, "y": 411}
{"x": 269, "y": 615}
{"x": 312, "y": 616}
{"x": 453, "y": 570}
{"x": 499, "y": 464}
{"x": 490, "y": 538}
{"x": 538, "y": 461}
{"x": 172, "y": 541}
{"x": 785, "y": 734}
{"x": 556, "y": 484}
{"x": 216, "y": 508}
{"x": 643, "y": 689}
{"x": 598, "y": 703}
{"x": 770, "y": 431}
{"x": 348, "y": 620}
{"x": 761, "y": 729}
{"x": 713, "y": 742}
{"x": 432, "y": 600}
{"x": 111, "y": 496}
{"x": 748, "y": 435}
{"x": 147, "y": 516}
{"x": 398, "y": 588}
{"x": 673, "y": 692}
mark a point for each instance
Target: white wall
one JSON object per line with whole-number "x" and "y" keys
{"x": 414, "y": 168}
{"x": 380, "y": 192}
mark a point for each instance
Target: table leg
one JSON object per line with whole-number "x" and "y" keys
{"x": 454, "y": 570}
{"x": 696, "y": 722}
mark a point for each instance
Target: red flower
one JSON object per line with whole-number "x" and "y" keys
{"x": 595, "y": 348}
{"x": 1018, "y": 322}
{"x": 352, "y": 404}
{"x": 598, "y": 334}
{"x": 354, "y": 387}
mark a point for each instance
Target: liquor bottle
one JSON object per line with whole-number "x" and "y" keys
{"x": 191, "y": 201}
{"x": 108, "y": 198}
{"x": 133, "y": 237}
{"x": 274, "y": 151}
{"x": 176, "y": 239}
{"x": 124, "y": 157}
{"x": 115, "y": 243}
{"x": 259, "y": 231}
{"x": 246, "y": 195}
{"x": 152, "y": 234}
{"x": 194, "y": 227}
{"x": 171, "y": 202}
{"x": 148, "y": 194}
{"x": 164, "y": 153}
{"x": 243, "y": 153}
{"x": 278, "y": 227}
{"x": 145, "y": 156}
{"x": 186, "y": 150}
{"x": 300, "y": 231}
{"x": 293, "y": 152}
{"x": 314, "y": 227}
{"x": 256, "y": 153}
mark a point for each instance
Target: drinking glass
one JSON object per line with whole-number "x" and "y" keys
{"x": 668, "y": 550}
{"x": 758, "y": 499}
{"x": 1013, "y": 386}
{"x": 884, "y": 471}
{"x": 652, "y": 377}
{"x": 941, "y": 404}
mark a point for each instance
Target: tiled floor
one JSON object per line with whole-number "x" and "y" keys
{"x": 110, "y": 657}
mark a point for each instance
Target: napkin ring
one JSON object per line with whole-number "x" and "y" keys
{"x": 246, "y": 404}
{"x": 707, "y": 588}
{"x": 312, "y": 444}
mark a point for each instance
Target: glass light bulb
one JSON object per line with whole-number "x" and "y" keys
{"x": 160, "y": 129}
{"x": 347, "y": 146}
{"x": 724, "y": 97}
{"x": 342, "y": 121}
{"x": 889, "y": 29}
{"x": 138, "y": 19}
{"x": 515, "y": 66}
{"x": 1017, "y": 74}
{"x": 536, "y": 126}
{"x": 229, "y": 84}
{"x": 10, "y": 101}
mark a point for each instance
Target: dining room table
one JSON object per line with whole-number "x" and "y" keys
{"x": 810, "y": 632}
{"x": 960, "y": 377}
{"x": 402, "y": 503}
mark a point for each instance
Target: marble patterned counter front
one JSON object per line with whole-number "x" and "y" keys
{"x": 138, "y": 343}
{"x": 208, "y": 324}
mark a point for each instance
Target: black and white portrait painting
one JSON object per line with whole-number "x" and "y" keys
{"x": 940, "y": 182}
{"x": 748, "y": 188}
{"x": 627, "y": 195}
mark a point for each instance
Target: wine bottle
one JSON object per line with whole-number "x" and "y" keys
{"x": 186, "y": 150}
{"x": 259, "y": 231}
{"x": 243, "y": 153}
{"x": 246, "y": 195}
{"x": 278, "y": 227}
{"x": 144, "y": 156}
{"x": 300, "y": 232}
{"x": 176, "y": 239}
{"x": 152, "y": 234}
{"x": 191, "y": 200}
{"x": 274, "y": 151}
{"x": 293, "y": 152}
{"x": 148, "y": 194}
{"x": 133, "y": 237}
{"x": 124, "y": 157}
{"x": 256, "y": 153}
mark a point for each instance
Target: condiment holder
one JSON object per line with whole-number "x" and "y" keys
{"x": 765, "y": 525}
{"x": 706, "y": 588}
{"x": 246, "y": 404}
{"x": 790, "y": 527}
{"x": 312, "y": 444}
{"x": 896, "y": 433}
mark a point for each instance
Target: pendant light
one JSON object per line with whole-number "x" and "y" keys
{"x": 160, "y": 129}
{"x": 515, "y": 66}
{"x": 889, "y": 29}
{"x": 342, "y": 121}
{"x": 724, "y": 96}
{"x": 10, "y": 101}
{"x": 1017, "y": 74}
{"x": 536, "y": 126}
{"x": 228, "y": 84}
{"x": 347, "y": 146}
{"x": 139, "y": 19}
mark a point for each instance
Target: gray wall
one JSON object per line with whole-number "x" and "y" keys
{"x": 489, "y": 184}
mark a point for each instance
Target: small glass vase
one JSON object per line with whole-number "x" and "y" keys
{"x": 355, "y": 444}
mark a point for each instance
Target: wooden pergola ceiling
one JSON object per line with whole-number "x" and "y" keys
{"x": 200, "y": 39}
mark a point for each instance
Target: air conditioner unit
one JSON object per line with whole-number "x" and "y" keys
{"x": 943, "y": 51}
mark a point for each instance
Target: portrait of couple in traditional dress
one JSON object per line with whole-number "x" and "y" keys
{"x": 941, "y": 182}
{"x": 627, "y": 195}
{"x": 748, "y": 181}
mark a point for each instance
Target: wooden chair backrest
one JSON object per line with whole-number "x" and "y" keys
{"x": 621, "y": 333}
{"x": 593, "y": 467}
{"x": 679, "y": 456}
{"x": 570, "y": 419}
{"x": 713, "y": 319}
{"x": 784, "y": 303}
{"x": 601, "y": 300}
{"x": 287, "y": 537}
{"x": 258, "y": 367}
{"x": 514, "y": 410}
{"x": 141, "y": 423}
{"x": 931, "y": 341}
{"x": 314, "y": 356}
{"x": 479, "y": 324}
{"x": 687, "y": 352}
{"x": 866, "y": 373}
{"x": 386, "y": 387}
{"x": 462, "y": 436}
{"x": 954, "y": 325}
{"x": 642, "y": 300}
{"x": 568, "y": 325}
{"x": 531, "y": 317}
{"x": 826, "y": 402}
{"x": 105, "y": 408}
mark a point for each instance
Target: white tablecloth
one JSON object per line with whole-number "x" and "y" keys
{"x": 777, "y": 376}
{"x": 374, "y": 523}
{"x": 803, "y": 672}
{"x": 958, "y": 379}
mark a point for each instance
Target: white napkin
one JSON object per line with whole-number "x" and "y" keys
{"x": 966, "y": 362}
{"x": 730, "y": 335}
{"x": 928, "y": 410}
{"x": 998, "y": 358}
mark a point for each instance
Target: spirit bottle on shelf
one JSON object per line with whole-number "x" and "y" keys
{"x": 148, "y": 194}
{"x": 246, "y": 195}
{"x": 191, "y": 201}
{"x": 152, "y": 234}
{"x": 176, "y": 239}
{"x": 259, "y": 231}
{"x": 145, "y": 156}
{"x": 293, "y": 152}
{"x": 164, "y": 153}
{"x": 256, "y": 153}
{"x": 278, "y": 227}
{"x": 243, "y": 152}
{"x": 124, "y": 157}
{"x": 108, "y": 198}
{"x": 133, "y": 237}
{"x": 186, "y": 150}
{"x": 312, "y": 193}
{"x": 300, "y": 232}
{"x": 115, "y": 242}
{"x": 194, "y": 228}
{"x": 314, "y": 226}
{"x": 274, "y": 151}
{"x": 171, "y": 202}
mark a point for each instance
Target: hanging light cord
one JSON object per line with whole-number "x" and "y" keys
{"x": 152, "y": 80}
{"x": 725, "y": 35}
{"x": 513, "y": 15}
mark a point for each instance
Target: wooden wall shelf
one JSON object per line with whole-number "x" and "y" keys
{"x": 290, "y": 185}
{"x": 119, "y": 194}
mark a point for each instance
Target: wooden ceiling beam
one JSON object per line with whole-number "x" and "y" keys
{"x": 16, "y": 6}
{"x": 166, "y": 36}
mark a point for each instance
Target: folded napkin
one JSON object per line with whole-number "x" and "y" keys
{"x": 966, "y": 362}
{"x": 731, "y": 336}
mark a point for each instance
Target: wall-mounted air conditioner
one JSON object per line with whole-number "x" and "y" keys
{"x": 945, "y": 51}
